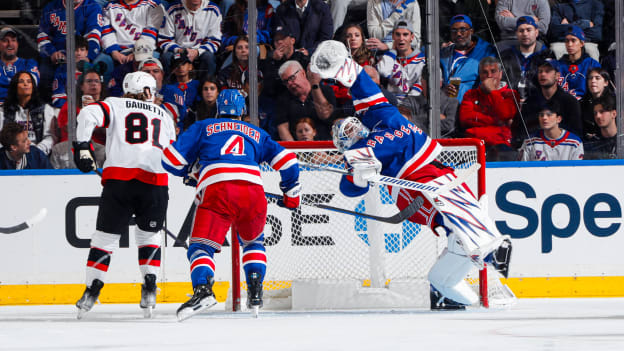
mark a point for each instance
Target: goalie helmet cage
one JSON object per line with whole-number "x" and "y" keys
{"x": 311, "y": 246}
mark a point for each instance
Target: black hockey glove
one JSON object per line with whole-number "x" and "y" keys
{"x": 84, "y": 157}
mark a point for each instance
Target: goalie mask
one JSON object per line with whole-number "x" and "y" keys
{"x": 347, "y": 132}
{"x": 140, "y": 83}
{"x": 231, "y": 102}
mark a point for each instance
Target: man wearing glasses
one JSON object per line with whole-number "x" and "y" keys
{"x": 461, "y": 58}
{"x": 305, "y": 97}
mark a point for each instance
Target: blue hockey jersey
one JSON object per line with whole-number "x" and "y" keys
{"x": 573, "y": 77}
{"x": 400, "y": 146}
{"x": 229, "y": 150}
{"x": 52, "y": 27}
{"x": 8, "y": 71}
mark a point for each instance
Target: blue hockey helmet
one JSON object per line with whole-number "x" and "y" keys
{"x": 231, "y": 102}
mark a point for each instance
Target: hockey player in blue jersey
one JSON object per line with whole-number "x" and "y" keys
{"x": 382, "y": 141}
{"x": 223, "y": 157}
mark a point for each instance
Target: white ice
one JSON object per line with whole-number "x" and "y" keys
{"x": 533, "y": 324}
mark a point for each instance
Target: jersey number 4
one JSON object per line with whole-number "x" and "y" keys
{"x": 137, "y": 129}
{"x": 234, "y": 146}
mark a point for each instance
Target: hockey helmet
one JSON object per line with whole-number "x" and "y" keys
{"x": 231, "y": 102}
{"x": 347, "y": 132}
{"x": 137, "y": 82}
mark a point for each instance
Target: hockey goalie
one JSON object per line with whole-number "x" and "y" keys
{"x": 381, "y": 141}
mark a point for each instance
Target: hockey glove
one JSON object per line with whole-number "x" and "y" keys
{"x": 291, "y": 197}
{"x": 84, "y": 157}
{"x": 363, "y": 164}
{"x": 192, "y": 177}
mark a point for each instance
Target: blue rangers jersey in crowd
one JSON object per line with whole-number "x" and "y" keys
{"x": 400, "y": 146}
{"x": 573, "y": 77}
{"x": 53, "y": 27}
{"x": 8, "y": 71}
{"x": 227, "y": 150}
{"x": 59, "y": 85}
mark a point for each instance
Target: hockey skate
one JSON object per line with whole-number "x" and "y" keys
{"x": 148, "y": 295}
{"x": 500, "y": 257}
{"x": 254, "y": 293}
{"x": 441, "y": 303}
{"x": 89, "y": 297}
{"x": 203, "y": 298}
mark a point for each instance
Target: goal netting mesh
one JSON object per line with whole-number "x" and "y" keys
{"x": 324, "y": 259}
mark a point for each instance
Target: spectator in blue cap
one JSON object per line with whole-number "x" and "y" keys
{"x": 461, "y": 58}
{"x": 576, "y": 64}
{"x": 586, "y": 14}
{"x": 522, "y": 59}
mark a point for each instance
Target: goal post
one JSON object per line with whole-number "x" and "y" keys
{"x": 319, "y": 259}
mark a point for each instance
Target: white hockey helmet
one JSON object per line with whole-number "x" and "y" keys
{"x": 347, "y": 132}
{"x": 137, "y": 82}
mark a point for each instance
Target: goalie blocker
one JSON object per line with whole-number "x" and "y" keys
{"x": 406, "y": 152}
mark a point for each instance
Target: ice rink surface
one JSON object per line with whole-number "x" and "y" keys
{"x": 533, "y": 324}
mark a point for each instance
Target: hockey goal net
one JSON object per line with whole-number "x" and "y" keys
{"x": 320, "y": 259}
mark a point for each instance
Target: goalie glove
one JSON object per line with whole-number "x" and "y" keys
{"x": 332, "y": 60}
{"x": 363, "y": 164}
{"x": 84, "y": 157}
{"x": 291, "y": 197}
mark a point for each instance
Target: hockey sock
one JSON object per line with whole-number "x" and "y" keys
{"x": 102, "y": 247}
{"x": 202, "y": 263}
{"x": 149, "y": 251}
{"x": 254, "y": 257}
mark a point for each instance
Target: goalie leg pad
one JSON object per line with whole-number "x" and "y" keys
{"x": 448, "y": 273}
{"x": 149, "y": 251}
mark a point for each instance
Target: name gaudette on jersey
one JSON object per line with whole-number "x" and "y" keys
{"x": 144, "y": 106}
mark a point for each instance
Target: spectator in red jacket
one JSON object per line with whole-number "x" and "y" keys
{"x": 486, "y": 112}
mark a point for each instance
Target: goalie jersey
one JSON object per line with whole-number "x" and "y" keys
{"x": 136, "y": 134}
{"x": 229, "y": 150}
{"x": 400, "y": 146}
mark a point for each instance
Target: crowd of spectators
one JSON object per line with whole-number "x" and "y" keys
{"x": 521, "y": 75}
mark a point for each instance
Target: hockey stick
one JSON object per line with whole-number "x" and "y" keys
{"x": 173, "y": 236}
{"x": 394, "y": 219}
{"x": 403, "y": 183}
{"x": 26, "y": 224}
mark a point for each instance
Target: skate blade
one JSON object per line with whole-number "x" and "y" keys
{"x": 148, "y": 312}
{"x": 81, "y": 313}
{"x": 190, "y": 312}
{"x": 254, "y": 311}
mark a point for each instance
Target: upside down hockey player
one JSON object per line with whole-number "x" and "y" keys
{"x": 229, "y": 192}
{"x": 386, "y": 142}
{"x": 134, "y": 181}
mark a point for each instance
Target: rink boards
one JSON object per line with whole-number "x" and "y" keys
{"x": 566, "y": 225}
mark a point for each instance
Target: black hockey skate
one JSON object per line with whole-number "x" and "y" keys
{"x": 89, "y": 297}
{"x": 441, "y": 303}
{"x": 500, "y": 257}
{"x": 254, "y": 293}
{"x": 148, "y": 295}
{"x": 203, "y": 298}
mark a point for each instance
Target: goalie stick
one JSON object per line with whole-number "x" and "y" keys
{"x": 26, "y": 224}
{"x": 404, "y": 183}
{"x": 173, "y": 236}
{"x": 395, "y": 219}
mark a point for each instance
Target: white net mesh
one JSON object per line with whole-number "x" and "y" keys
{"x": 316, "y": 244}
